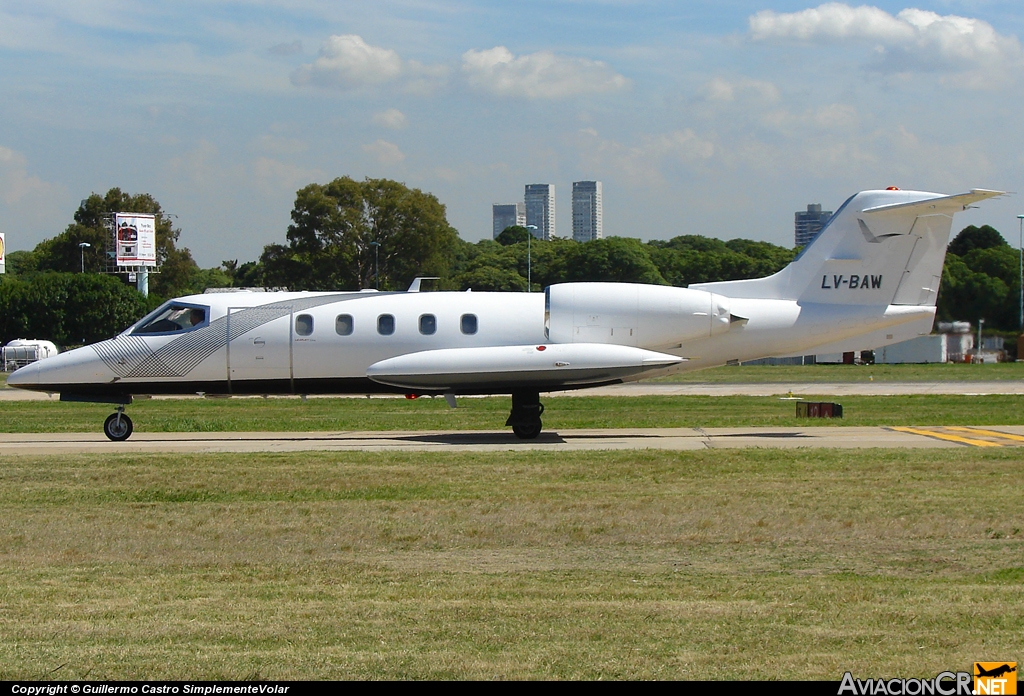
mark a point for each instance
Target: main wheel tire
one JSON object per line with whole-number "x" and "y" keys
{"x": 116, "y": 429}
{"x": 527, "y": 430}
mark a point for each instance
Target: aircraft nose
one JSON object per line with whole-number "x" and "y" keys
{"x": 24, "y": 377}
{"x": 76, "y": 367}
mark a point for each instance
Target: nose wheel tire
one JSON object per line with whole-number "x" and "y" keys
{"x": 117, "y": 427}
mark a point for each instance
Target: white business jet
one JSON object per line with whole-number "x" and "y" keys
{"x": 870, "y": 278}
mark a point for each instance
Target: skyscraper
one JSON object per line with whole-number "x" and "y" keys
{"x": 540, "y": 209}
{"x": 587, "y": 211}
{"x": 807, "y": 225}
{"x": 507, "y": 215}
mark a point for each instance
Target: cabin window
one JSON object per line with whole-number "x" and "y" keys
{"x": 428, "y": 324}
{"x": 173, "y": 318}
{"x": 469, "y": 323}
{"x": 386, "y": 324}
{"x": 343, "y": 324}
{"x": 304, "y": 324}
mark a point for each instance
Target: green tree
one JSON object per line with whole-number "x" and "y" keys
{"x": 984, "y": 283}
{"x": 696, "y": 259}
{"x": 63, "y": 253}
{"x": 488, "y": 266}
{"x": 68, "y": 308}
{"x": 488, "y": 278}
{"x": 342, "y": 231}
{"x": 615, "y": 259}
{"x": 970, "y": 295}
{"x": 513, "y": 234}
{"x": 21, "y": 263}
{"x": 971, "y": 237}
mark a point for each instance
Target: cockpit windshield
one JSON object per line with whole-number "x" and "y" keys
{"x": 172, "y": 318}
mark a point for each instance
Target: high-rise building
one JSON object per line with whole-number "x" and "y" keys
{"x": 807, "y": 224}
{"x": 587, "y": 211}
{"x": 507, "y": 216}
{"x": 540, "y": 210}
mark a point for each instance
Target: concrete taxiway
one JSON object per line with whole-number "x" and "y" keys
{"x": 482, "y": 441}
{"x": 833, "y": 389}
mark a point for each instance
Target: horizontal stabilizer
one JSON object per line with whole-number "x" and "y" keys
{"x": 535, "y": 366}
{"x": 935, "y": 206}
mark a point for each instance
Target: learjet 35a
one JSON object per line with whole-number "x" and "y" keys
{"x": 870, "y": 278}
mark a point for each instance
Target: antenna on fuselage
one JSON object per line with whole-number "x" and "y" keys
{"x": 415, "y": 287}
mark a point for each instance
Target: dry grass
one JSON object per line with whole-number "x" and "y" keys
{"x": 716, "y": 564}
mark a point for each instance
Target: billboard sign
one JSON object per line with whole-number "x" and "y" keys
{"x": 136, "y": 239}
{"x": 3, "y": 253}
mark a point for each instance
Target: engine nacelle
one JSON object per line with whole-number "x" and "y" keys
{"x": 627, "y": 314}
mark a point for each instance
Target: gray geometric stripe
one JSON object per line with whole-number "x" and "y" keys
{"x": 130, "y": 356}
{"x": 123, "y": 354}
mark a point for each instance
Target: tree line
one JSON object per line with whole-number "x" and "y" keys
{"x": 353, "y": 235}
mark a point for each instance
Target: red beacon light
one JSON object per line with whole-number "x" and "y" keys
{"x": 892, "y": 188}
{"x": 542, "y": 347}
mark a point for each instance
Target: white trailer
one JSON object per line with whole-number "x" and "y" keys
{"x": 22, "y": 351}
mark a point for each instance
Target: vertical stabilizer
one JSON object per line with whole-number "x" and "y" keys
{"x": 880, "y": 248}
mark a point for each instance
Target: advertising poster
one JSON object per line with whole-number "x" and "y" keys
{"x": 136, "y": 239}
{"x": 3, "y": 253}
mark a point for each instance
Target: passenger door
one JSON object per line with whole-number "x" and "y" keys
{"x": 259, "y": 354}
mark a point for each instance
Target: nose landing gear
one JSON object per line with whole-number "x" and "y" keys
{"x": 118, "y": 426}
{"x": 525, "y": 416}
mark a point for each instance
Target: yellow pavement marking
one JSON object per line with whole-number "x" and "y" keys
{"x": 947, "y": 436}
{"x": 991, "y": 433}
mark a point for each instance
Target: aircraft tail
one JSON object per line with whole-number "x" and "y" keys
{"x": 880, "y": 248}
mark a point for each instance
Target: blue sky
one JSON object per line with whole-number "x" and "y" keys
{"x": 707, "y": 118}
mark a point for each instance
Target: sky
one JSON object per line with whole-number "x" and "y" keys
{"x": 717, "y": 118}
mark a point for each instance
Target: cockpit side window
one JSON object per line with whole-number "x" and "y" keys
{"x": 173, "y": 318}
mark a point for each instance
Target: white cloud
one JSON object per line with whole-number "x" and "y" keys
{"x": 347, "y": 62}
{"x": 642, "y": 164}
{"x": 286, "y": 49}
{"x": 721, "y": 90}
{"x": 832, "y": 20}
{"x": 203, "y": 165}
{"x": 273, "y": 176}
{"x": 823, "y": 119}
{"x": 681, "y": 145}
{"x": 279, "y": 145}
{"x": 392, "y": 118}
{"x": 424, "y": 79}
{"x": 912, "y": 38}
{"x": 541, "y": 75}
{"x": 15, "y": 181}
{"x": 385, "y": 152}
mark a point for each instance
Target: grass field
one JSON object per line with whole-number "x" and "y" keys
{"x": 693, "y": 565}
{"x": 217, "y": 415}
{"x": 719, "y": 564}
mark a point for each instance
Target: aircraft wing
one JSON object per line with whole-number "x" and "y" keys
{"x": 532, "y": 366}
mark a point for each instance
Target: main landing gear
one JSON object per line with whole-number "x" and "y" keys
{"x": 525, "y": 416}
{"x": 118, "y": 426}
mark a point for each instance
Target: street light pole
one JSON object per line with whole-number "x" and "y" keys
{"x": 529, "y": 259}
{"x": 977, "y": 351}
{"x": 81, "y": 247}
{"x": 376, "y": 264}
{"x": 1020, "y": 252}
